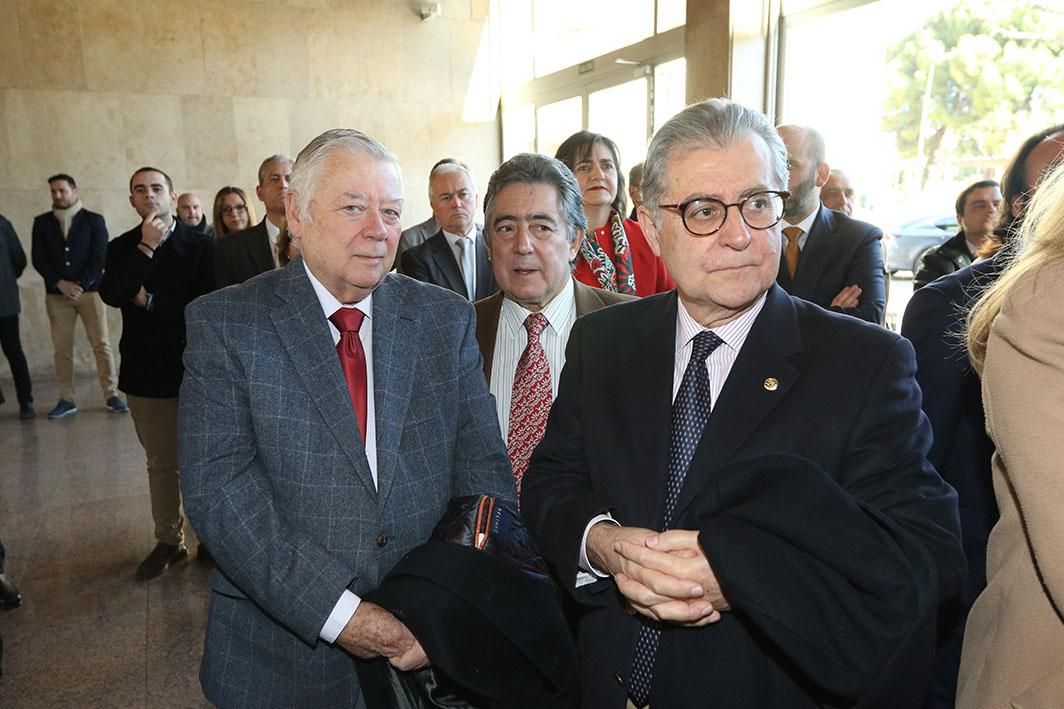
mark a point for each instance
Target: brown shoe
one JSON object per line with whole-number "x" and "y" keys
{"x": 161, "y": 557}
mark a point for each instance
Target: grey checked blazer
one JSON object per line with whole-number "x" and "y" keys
{"x": 276, "y": 481}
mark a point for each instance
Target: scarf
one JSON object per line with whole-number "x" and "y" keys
{"x": 613, "y": 275}
{"x": 65, "y": 215}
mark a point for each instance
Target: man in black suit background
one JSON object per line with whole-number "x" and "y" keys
{"x": 827, "y": 258}
{"x": 151, "y": 273}
{"x": 69, "y": 244}
{"x": 747, "y": 513}
{"x": 244, "y": 254}
{"x": 456, "y": 257}
{"x": 977, "y": 213}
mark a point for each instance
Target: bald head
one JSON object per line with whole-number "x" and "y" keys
{"x": 189, "y": 209}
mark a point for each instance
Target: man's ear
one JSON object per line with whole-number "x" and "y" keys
{"x": 574, "y": 245}
{"x": 649, "y": 230}
{"x": 291, "y": 214}
{"x": 823, "y": 172}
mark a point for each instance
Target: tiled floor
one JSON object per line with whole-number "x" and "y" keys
{"x": 75, "y": 519}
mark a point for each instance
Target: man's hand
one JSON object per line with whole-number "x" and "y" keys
{"x": 678, "y": 584}
{"x": 603, "y": 537}
{"x": 374, "y": 632}
{"x": 848, "y": 297}
{"x": 152, "y": 230}
{"x": 141, "y": 298}
{"x": 413, "y": 659}
{"x": 70, "y": 289}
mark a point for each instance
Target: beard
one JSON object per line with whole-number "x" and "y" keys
{"x": 802, "y": 200}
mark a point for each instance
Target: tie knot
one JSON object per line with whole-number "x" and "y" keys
{"x": 793, "y": 233}
{"x": 704, "y": 344}
{"x": 347, "y": 319}
{"x": 536, "y": 323}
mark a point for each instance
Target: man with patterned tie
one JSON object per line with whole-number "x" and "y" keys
{"x": 329, "y": 412}
{"x": 828, "y": 258}
{"x": 534, "y": 222}
{"x": 733, "y": 481}
{"x": 455, "y": 257}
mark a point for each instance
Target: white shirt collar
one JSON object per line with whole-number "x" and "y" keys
{"x": 733, "y": 333}
{"x": 329, "y": 303}
{"x": 556, "y": 311}
{"x": 806, "y": 224}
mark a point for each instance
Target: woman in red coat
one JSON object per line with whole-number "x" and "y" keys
{"x": 614, "y": 254}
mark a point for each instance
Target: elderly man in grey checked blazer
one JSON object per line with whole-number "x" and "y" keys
{"x": 320, "y": 444}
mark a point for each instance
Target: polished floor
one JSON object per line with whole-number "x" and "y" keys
{"x": 74, "y": 517}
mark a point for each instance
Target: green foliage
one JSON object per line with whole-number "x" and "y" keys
{"x": 996, "y": 72}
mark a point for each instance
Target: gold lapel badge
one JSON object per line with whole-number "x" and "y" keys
{"x": 772, "y": 384}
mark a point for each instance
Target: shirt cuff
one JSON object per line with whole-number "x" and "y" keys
{"x": 341, "y": 614}
{"x": 587, "y": 573}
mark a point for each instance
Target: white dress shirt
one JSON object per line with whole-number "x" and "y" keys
{"x": 348, "y": 603}
{"x": 511, "y": 338}
{"x": 273, "y": 233}
{"x": 718, "y": 365}
{"x": 452, "y": 240}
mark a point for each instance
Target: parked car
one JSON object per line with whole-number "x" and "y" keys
{"x": 907, "y": 244}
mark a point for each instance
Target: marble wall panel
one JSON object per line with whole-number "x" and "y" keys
{"x": 51, "y": 43}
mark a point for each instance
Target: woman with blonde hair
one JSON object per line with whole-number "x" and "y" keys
{"x": 1014, "y": 641}
{"x": 232, "y": 211}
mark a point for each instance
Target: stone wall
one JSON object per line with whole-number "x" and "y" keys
{"x": 206, "y": 90}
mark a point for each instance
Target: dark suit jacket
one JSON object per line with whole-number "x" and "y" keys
{"x": 953, "y": 402}
{"x": 12, "y": 264}
{"x": 276, "y": 481}
{"x": 434, "y": 262}
{"x": 588, "y": 300}
{"x": 831, "y": 535}
{"x": 839, "y": 252}
{"x": 78, "y": 258}
{"x": 242, "y": 255}
{"x": 153, "y": 340}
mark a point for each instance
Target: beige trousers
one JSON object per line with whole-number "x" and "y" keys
{"x": 156, "y": 424}
{"x": 63, "y": 314}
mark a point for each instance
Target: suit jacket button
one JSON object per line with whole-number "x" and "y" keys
{"x": 382, "y": 540}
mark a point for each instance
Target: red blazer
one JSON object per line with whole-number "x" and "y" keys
{"x": 650, "y": 274}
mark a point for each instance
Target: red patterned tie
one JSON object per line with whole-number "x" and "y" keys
{"x": 352, "y": 360}
{"x": 531, "y": 399}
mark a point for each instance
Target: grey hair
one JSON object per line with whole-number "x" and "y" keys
{"x": 448, "y": 165}
{"x": 311, "y": 161}
{"x": 715, "y": 123}
{"x": 266, "y": 163}
{"x": 534, "y": 169}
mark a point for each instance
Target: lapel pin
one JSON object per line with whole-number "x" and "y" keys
{"x": 771, "y": 384}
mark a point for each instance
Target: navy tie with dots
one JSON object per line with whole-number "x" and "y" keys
{"x": 690, "y": 411}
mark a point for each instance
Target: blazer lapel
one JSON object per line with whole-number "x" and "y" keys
{"x": 446, "y": 264}
{"x": 817, "y": 251}
{"x": 485, "y": 284}
{"x": 303, "y": 332}
{"x": 749, "y": 395}
{"x": 394, "y": 358}
{"x": 488, "y": 311}
{"x": 587, "y": 300}
{"x": 647, "y": 404}
{"x": 259, "y": 248}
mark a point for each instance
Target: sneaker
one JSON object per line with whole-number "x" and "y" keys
{"x": 9, "y": 595}
{"x": 117, "y": 406}
{"x": 25, "y": 411}
{"x": 63, "y": 408}
{"x": 162, "y": 556}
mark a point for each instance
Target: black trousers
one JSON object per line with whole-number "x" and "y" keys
{"x": 12, "y": 346}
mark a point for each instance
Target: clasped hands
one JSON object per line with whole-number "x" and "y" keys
{"x": 663, "y": 575}
{"x": 374, "y": 632}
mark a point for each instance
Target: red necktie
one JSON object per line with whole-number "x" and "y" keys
{"x": 352, "y": 360}
{"x": 531, "y": 400}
